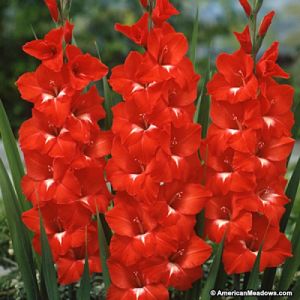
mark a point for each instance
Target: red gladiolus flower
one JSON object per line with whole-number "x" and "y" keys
{"x": 64, "y": 151}
{"x": 180, "y": 269}
{"x": 132, "y": 283}
{"x": 139, "y": 80}
{"x": 70, "y": 265}
{"x": 53, "y": 9}
{"x": 245, "y": 152}
{"x": 83, "y": 68}
{"x": 49, "y": 91}
{"x": 49, "y": 50}
{"x": 239, "y": 255}
{"x": 221, "y": 216}
{"x": 235, "y": 81}
{"x": 167, "y": 48}
{"x": 155, "y": 169}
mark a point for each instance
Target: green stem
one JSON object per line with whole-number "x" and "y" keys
{"x": 141, "y": 6}
{"x": 252, "y": 26}
{"x": 246, "y": 280}
{"x": 71, "y": 292}
{"x": 151, "y": 8}
{"x": 237, "y": 284}
{"x": 256, "y": 40}
{"x": 64, "y": 11}
{"x": 253, "y": 20}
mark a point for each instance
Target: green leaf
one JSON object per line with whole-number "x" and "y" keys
{"x": 268, "y": 279}
{"x": 291, "y": 193}
{"x": 221, "y": 279}
{"x": 48, "y": 269}
{"x": 203, "y": 105}
{"x": 13, "y": 157}
{"x": 19, "y": 235}
{"x": 202, "y": 117}
{"x": 196, "y": 290}
{"x": 198, "y": 103}
{"x": 107, "y": 103}
{"x": 194, "y": 42}
{"x": 34, "y": 33}
{"x": 296, "y": 126}
{"x": 84, "y": 289}
{"x": 103, "y": 249}
{"x": 292, "y": 264}
{"x": 296, "y": 292}
{"x": 246, "y": 280}
{"x": 213, "y": 273}
{"x": 200, "y": 223}
{"x": 107, "y": 96}
{"x": 237, "y": 284}
{"x": 253, "y": 283}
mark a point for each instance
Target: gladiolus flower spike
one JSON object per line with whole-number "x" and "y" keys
{"x": 64, "y": 150}
{"x": 247, "y": 148}
{"x": 155, "y": 169}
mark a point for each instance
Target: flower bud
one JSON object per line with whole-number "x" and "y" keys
{"x": 144, "y": 3}
{"x": 246, "y": 6}
{"x": 266, "y": 22}
{"x": 68, "y": 32}
{"x": 53, "y": 9}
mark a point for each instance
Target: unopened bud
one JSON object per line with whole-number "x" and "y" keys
{"x": 265, "y": 24}
{"x": 144, "y": 3}
{"x": 246, "y": 6}
{"x": 53, "y": 9}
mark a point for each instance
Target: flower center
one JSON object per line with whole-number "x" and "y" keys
{"x": 177, "y": 255}
{"x": 177, "y": 196}
{"x": 139, "y": 224}
{"x": 138, "y": 279}
{"x": 226, "y": 213}
{"x": 164, "y": 51}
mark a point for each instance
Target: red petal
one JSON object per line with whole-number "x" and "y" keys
{"x": 278, "y": 149}
{"x": 237, "y": 258}
{"x": 29, "y": 87}
{"x": 163, "y": 11}
{"x": 137, "y": 32}
{"x": 195, "y": 254}
{"x": 120, "y": 276}
{"x": 244, "y": 39}
{"x": 193, "y": 199}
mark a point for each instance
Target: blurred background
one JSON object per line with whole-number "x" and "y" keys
{"x": 94, "y": 21}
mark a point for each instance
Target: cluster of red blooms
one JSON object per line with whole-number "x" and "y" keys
{"x": 64, "y": 149}
{"x": 246, "y": 153}
{"x": 155, "y": 169}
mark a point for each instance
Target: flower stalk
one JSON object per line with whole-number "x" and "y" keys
{"x": 64, "y": 148}
{"x": 256, "y": 40}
